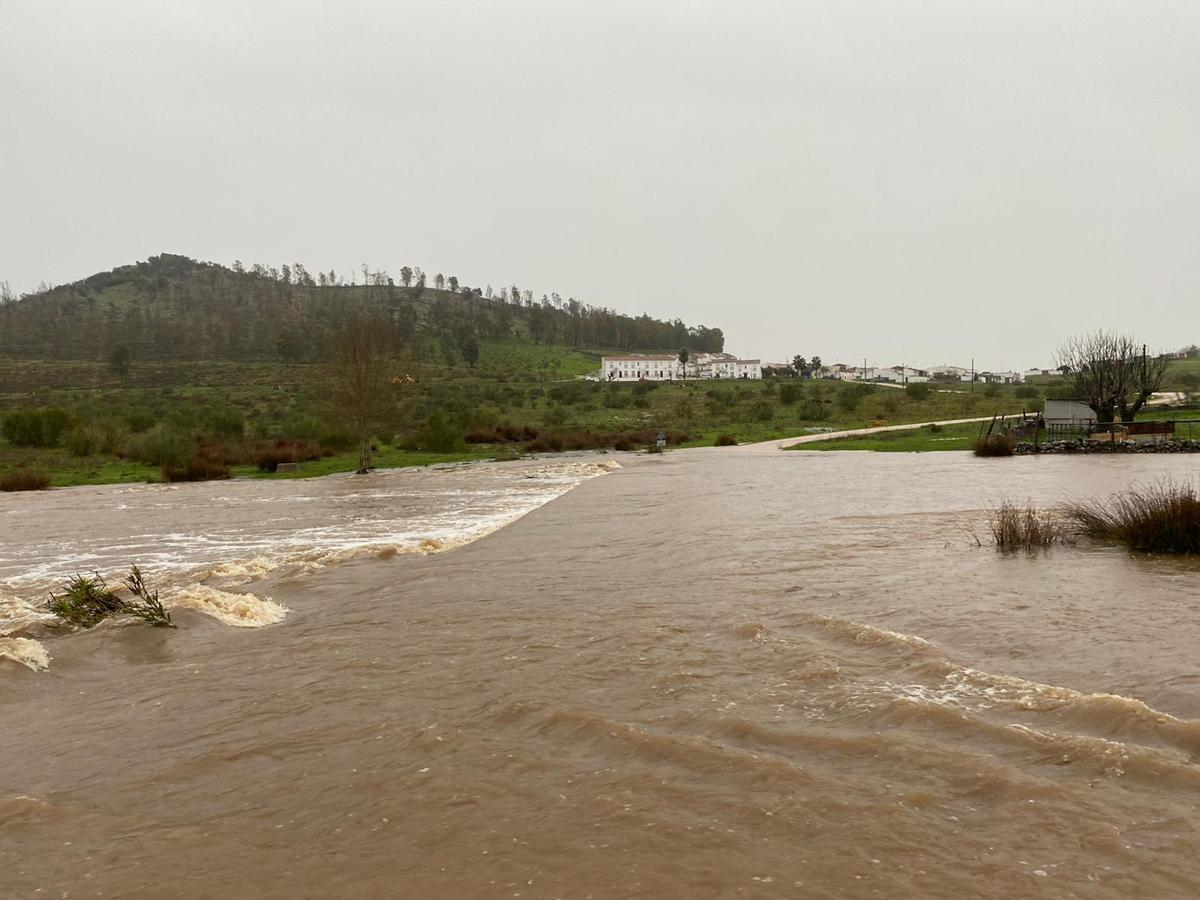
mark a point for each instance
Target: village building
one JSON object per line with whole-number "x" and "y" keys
{"x": 950, "y": 373}
{"x": 667, "y": 367}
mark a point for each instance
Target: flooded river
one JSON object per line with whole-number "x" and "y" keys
{"x": 718, "y": 673}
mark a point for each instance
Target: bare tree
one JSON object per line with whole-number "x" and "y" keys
{"x": 356, "y": 382}
{"x": 1112, "y": 373}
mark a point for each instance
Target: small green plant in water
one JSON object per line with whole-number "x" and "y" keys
{"x": 86, "y": 601}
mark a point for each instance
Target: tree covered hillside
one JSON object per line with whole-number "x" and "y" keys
{"x": 173, "y": 307}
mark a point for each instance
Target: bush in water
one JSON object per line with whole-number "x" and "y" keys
{"x": 24, "y": 480}
{"x": 995, "y": 445}
{"x": 1163, "y": 517}
{"x": 88, "y": 601}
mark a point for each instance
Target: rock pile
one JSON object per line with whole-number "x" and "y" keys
{"x": 1083, "y": 446}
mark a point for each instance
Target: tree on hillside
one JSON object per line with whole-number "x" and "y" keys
{"x": 1112, "y": 373}
{"x": 119, "y": 360}
{"x": 800, "y": 364}
{"x": 406, "y": 276}
{"x": 356, "y": 382}
{"x": 684, "y": 356}
{"x": 439, "y": 281}
{"x": 453, "y": 282}
{"x": 815, "y": 364}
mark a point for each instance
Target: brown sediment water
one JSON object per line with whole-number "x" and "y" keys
{"x": 715, "y": 673}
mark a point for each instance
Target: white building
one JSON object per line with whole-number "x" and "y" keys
{"x": 897, "y": 375}
{"x": 950, "y": 373}
{"x": 667, "y": 367}
{"x": 1000, "y": 377}
{"x": 657, "y": 367}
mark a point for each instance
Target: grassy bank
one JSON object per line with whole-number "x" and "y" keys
{"x": 103, "y": 429}
{"x": 921, "y": 440}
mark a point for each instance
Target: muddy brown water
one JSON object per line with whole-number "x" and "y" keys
{"x": 718, "y": 673}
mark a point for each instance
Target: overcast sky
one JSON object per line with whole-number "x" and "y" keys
{"x": 916, "y": 182}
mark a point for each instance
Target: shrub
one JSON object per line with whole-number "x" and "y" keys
{"x": 1014, "y": 528}
{"x": 991, "y": 390}
{"x": 268, "y": 457}
{"x": 440, "y": 435}
{"x": 998, "y": 444}
{"x": 891, "y": 404}
{"x": 762, "y": 411}
{"x": 813, "y": 411}
{"x": 850, "y": 396}
{"x": 616, "y": 399}
{"x": 1163, "y": 517}
{"x": 88, "y": 601}
{"x": 644, "y": 387}
{"x": 556, "y": 415}
{"x": 935, "y": 428}
{"x": 162, "y": 445}
{"x": 789, "y": 393}
{"x": 35, "y": 427}
{"x": 82, "y": 441}
{"x": 1026, "y": 392}
{"x": 918, "y": 390}
{"x": 198, "y": 469}
{"x": 24, "y": 480}
{"x": 725, "y": 440}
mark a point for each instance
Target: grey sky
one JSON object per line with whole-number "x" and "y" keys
{"x": 907, "y": 181}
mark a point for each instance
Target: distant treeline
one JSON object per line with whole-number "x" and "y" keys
{"x": 173, "y": 307}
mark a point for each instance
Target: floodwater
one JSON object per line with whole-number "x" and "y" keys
{"x": 717, "y": 673}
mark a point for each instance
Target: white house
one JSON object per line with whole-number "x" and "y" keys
{"x": 667, "y": 367}
{"x": 1068, "y": 412}
{"x": 730, "y": 368}
{"x": 950, "y": 373}
{"x": 898, "y": 375}
{"x": 657, "y": 367}
{"x": 1000, "y": 377}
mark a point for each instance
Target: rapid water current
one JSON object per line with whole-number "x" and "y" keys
{"x": 735, "y": 672}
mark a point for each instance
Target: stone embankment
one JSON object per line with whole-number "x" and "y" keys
{"x": 1078, "y": 446}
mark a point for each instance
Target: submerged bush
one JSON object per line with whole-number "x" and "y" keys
{"x": 24, "y": 480}
{"x": 1017, "y": 528}
{"x": 994, "y": 445}
{"x": 268, "y": 457}
{"x": 87, "y": 601}
{"x": 725, "y": 440}
{"x": 1163, "y": 517}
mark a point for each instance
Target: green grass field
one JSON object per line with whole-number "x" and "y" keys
{"x": 518, "y": 383}
{"x": 921, "y": 440}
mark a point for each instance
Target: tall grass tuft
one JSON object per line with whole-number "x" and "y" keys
{"x": 994, "y": 445}
{"x": 1025, "y": 528}
{"x": 1163, "y": 517}
{"x": 24, "y": 480}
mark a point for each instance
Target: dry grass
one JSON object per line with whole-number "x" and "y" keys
{"x": 24, "y": 480}
{"x": 1163, "y": 517}
{"x": 1025, "y": 528}
{"x": 994, "y": 445}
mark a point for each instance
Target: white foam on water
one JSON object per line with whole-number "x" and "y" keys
{"x": 238, "y": 610}
{"x": 26, "y": 651}
{"x": 196, "y": 542}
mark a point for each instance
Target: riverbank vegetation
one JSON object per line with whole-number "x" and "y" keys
{"x": 1163, "y": 517}
{"x": 1025, "y": 528}
{"x": 245, "y": 419}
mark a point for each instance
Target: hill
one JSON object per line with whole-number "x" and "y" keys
{"x": 177, "y": 308}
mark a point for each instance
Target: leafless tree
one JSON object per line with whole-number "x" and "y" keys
{"x": 357, "y": 378}
{"x": 1112, "y": 373}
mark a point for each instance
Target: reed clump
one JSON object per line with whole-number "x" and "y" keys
{"x": 24, "y": 480}
{"x": 1025, "y": 527}
{"x": 995, "y": 445}
{"x": 1162, "y": 517}
{"x": 86, "y": 601}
